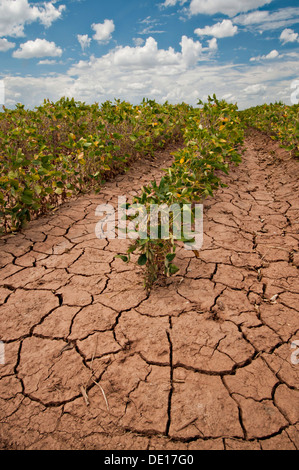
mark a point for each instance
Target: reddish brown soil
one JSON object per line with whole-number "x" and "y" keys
{"x": 204, "y": 362}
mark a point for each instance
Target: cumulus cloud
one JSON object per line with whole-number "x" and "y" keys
{"x": 218, "y": 30}
{"x": 131, "y": 73}
{"x": 14, "y": 15}
{"x": 191, "y": 50}
{"x": 5, "y": 45}
{"x": 144, "y": 56}
{"x": 213, "y": 45}
{"x": 211, "y": 7}
{"x": 84, "y": 41}
{"x": 103, "y": 31}
{"x": 289, "y": 35}
{"x": 150, "y": 56}
{"x": 37, "y": 49}
{"x": 272, "y": 55}
{"x": 227, "y": 7}
{"x": 99, "y": 79}
{"x": 47, "y": 14}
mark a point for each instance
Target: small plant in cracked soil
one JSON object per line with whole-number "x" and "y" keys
{"x": 212, "y": 136}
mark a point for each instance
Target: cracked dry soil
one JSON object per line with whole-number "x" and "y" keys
{"x": 92, "y": 362}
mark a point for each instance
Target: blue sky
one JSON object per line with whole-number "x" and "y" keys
{"x": 244, "y": 51}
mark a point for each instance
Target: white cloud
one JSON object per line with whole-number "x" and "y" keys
{"x": 184, "y": 74}
{"x": 272, "y": 55}
{"x": 99, "y": 79}
{"x": 150, "y": 56}
{"x": 47, "y": 62}
{"x": 191, "y": 50}
{"x": 229, "y": 97}
{"x": 103, "y": 31}
{"x": 84, "y": 41}
{"x": 218, "y": 30}
{"x": 289, "y": 35}
{"x": 255, "y": 17}
{"x": 143, "y": 56}
{"x": 171, "y": 3}
{"x": 5, "y": 45}
{"x": 151, "y": 30}
{"x": 266, "y": 20}
{"x": 138, "y": 41}
{"x": 15, "y": 14}
{"x": 48, "y": 14}
{"x": 227, "y": 7}
{"x": 151, "y": 26}
{"x": 137, "y": 86}
{"x": 213, "y": 44}
{"x": 37, "y": 48}
{"x": 255, "y": 89}
{"x": 131, "y": 73}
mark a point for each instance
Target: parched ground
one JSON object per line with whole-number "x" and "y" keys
{"x": 205, "y": 362}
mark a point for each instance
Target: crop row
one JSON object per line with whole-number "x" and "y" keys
{"x": 213, "y": 135}
{"x": 279, "y": 121}
{"x": 59, "y": 149}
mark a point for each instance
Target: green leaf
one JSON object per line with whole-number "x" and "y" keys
{"x": 123, "y": 257}
{"x": 142, "y": 260}
{"x": 170, "y": 257}
{"x": 173, "y": 269}
{"x": 125, "y": 206}
{"x": 27, "y": 197}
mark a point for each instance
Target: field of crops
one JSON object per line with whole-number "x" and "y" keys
{"x": 139, "y": 342}
{"x": 279, "y": 121}
{"x": 61, "y": 149}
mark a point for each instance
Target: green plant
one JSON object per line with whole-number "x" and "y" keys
{"x": 279, "y": 121}
{"x": 212, "y": 135}
{"x": 59, "y": 149}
